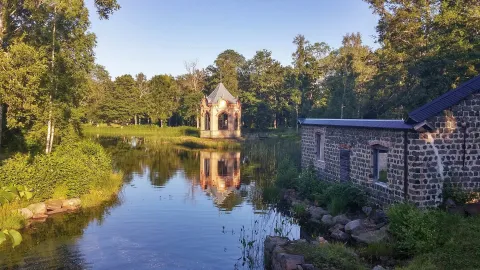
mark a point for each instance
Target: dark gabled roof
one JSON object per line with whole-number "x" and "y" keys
{"x": 445, "y": 101}
{"x": 221, "y": 92}
{"x": 362, "y": 123}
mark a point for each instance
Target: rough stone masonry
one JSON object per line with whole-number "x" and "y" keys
{"x": 438, "y": 145}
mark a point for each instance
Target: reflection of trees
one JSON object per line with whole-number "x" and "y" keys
{"x": 66, "y": 228}
{"x": 258, "y": 167}
{"x": 161, "y": 161}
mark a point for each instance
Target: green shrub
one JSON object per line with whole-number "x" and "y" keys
{"x": 341, "y": 197}
{"x": 13, "y": 193}
{"x": 308, "y": 183}
{"x": 416, "y": 231}
{"x": 286, "y": 174}
{"x": 77, "y": 165}
{"x": 328, "y": 256}
{"x": 458, "y": 195}
{"x": 374, "y": 251}
{"x": 299, "y": 210}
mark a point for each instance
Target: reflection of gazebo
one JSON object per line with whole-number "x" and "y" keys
{"x": 220, "y": 173}
{"x": 220, "y": 115}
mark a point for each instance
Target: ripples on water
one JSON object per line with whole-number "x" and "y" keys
{"x": 179, "y": 209}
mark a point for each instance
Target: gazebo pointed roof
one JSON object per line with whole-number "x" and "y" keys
{"x": 221, "y": 92}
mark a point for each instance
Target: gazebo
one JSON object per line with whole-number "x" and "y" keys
{"x": 221, "y": 115}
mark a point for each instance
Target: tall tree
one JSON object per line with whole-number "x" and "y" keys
{"x": 428, "y": 47}
{"x": 163, "y": 97}
{"x": 227, "y": 66}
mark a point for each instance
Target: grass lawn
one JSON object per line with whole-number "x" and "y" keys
{"x": 182, "y": 136}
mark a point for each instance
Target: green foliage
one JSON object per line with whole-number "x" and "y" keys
{"x": 14, "y": 192}
{"x": 286, "y": 174}
{"x": 374, "y": 251}
{"x": 271, "y": 194}
{"x": 459, "y": 195}
{"x": 77, "y": 165}
{"x": 416, "y": 231}
{"x": 341, "y": 197}
{"x": 14, "y": 236}
{"x": 438, "y": 240}
{"x": 299, "y": 210}
{"x": 309, "y": 185}
{"x": 333, "y": 256}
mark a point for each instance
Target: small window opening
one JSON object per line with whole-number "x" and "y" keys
{"x": 380, "y": 163}
{"x": 320, "y": 146}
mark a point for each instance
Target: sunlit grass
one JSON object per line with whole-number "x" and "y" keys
{"x": 141, "y": 130}
{"x": 180, "y": 136}
{"x": 102, "y": 192}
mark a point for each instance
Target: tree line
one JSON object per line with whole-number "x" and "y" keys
{"x": 49, "y": 82}
{"x": 425, "y": 49}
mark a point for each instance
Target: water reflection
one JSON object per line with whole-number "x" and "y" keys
{"x": 181, "y": 209}
{"x": 220, "y": 174}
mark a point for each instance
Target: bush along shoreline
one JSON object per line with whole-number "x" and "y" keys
{"x": 341, "y": 231}
{"x": 78, "y": 174}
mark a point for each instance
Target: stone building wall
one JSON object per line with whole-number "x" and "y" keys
{"x": 360, "y": 142}
{"x": 450, "y": 154}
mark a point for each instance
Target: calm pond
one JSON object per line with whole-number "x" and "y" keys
{"x": 179, "y": 209}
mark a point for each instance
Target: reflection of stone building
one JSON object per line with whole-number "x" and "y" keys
{"x": 221, "y": 115}
{"x": 220, "y": 173}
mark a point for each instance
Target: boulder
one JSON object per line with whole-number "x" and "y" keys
{"x": 321, "y": 240}
{"x": 378, "y": 267}
{"x": 327, "y": 220}
{"x": 72, "y": 203}
{"x": 26, "y": 213}
{"x": 369, "y": 237}
{"x": 306, "y": 266}
{"x": 317, "y": 212}
{"x": 341, "y": 219}
{"x": 378, "y": 217}
{"x": 284, "y": 261}
{"x": 38, "y": 208}
{"x": 271, "y": 242}
{"x": 39, "y": 216}
{"x": 337, "y": 227}
{"x": 340, "y": 235}
{"x": 289, "y": 195}
{"x": 54, "y": 204}
{"x": 354, "y": 226}
{"x": 367, "y": 210}
{"x": 57, "y": 211}
{"x": 472, "y": 209}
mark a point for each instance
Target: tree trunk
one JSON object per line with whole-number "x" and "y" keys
{"x": 50, "y": 124}
{"x": 135, "y": 119}
{"x": 49, "y": 127}
{"x": 161, "y": 123}
{"x": 51, "y": 138}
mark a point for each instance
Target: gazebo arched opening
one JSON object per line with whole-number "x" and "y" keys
{"x": 207, "y": 121}
{"x": 223, "y": 121}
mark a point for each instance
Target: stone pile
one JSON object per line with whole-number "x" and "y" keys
{"x": 41, "y": 211}
{"x": 368, "y": 226}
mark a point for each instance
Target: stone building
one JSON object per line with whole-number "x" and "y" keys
{"x": 396, "y": 160}
{"x": 221, "y": 115}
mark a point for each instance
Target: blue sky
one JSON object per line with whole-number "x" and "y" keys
{"x": 158, "y": 36}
